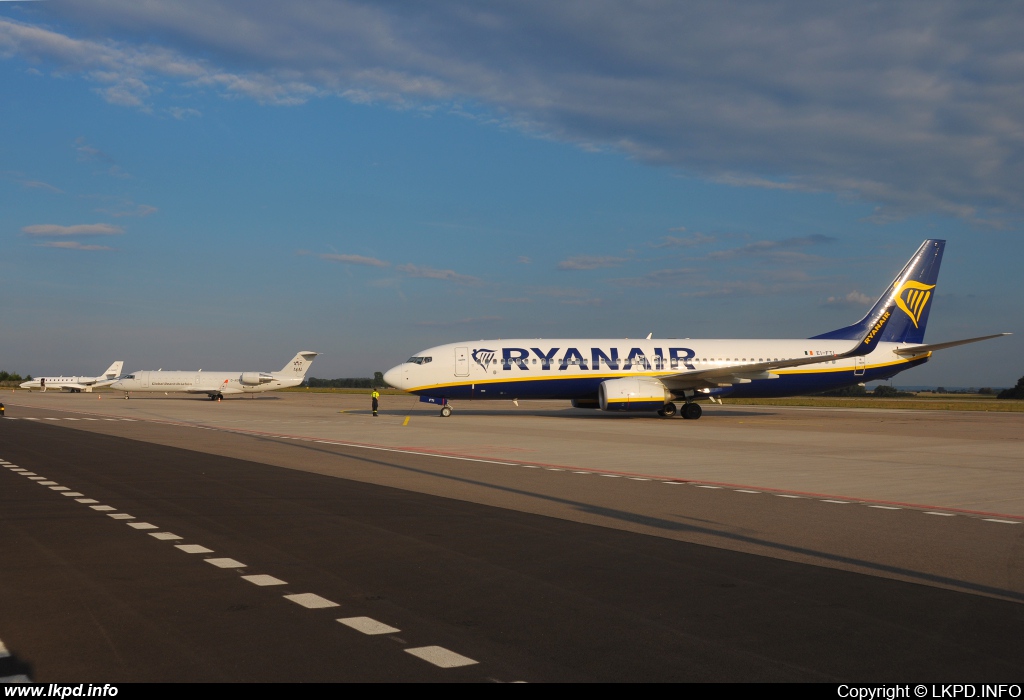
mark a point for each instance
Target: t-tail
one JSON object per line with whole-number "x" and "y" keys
{"x": 910, "y": 296}
{"x": 299, "y": 364}
{"x": 114, "y": 371}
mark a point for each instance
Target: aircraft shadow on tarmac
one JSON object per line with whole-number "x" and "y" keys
{"x": 700, "y": 527}
{"x": 567, "y": 413}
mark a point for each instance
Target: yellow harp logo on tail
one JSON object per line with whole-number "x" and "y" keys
{"x": 913, "y": 298}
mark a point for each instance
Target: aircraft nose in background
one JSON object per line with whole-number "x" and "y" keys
{"x": 393, "y": 377}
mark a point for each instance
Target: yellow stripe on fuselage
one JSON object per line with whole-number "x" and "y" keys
{"x": 626, "y": 375}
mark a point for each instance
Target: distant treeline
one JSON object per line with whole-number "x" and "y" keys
{"x": 1016, "y": 392}
{"x": 882, "y": 390}
{"x": 11, "y": 377}
{"x": 346, "y": 383}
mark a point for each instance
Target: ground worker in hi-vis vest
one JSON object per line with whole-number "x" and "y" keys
{"x": 374, "y": 395}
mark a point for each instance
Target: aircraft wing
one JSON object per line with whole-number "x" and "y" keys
{"x": 923, "y": 349}
{"x": 745, "y": 373}
{"x": 73, "y": 387}
{"x": 213, "y": 391}
{"x": 737, "y": 374}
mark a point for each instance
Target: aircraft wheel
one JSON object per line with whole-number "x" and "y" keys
{"x": 446, "y": 411}
{"x": 692, "y": 411}
{"x": 668, "y": 411}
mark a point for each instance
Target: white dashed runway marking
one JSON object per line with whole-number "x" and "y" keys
{"x": 103, "y": 508}
{"x": 193, "y": 548}
{"x": 86, "y": 500}
{"x": 439, "y": 656}
{"x": 120, "y": 516}
{"x": 165, "y": 536}
{"x": 225, "y": 563}
{"x": 933, "y": 512}
{"x": 71, "y": 493}
{"x": 264, "y": 580}
{"x": 367, "y": 625}
{"x": 143, "y": 526}
{"x": 310, "y": 600}
{"x": 832, "y": 500}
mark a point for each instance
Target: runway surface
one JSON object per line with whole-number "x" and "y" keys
{"x": 475, "y": 565}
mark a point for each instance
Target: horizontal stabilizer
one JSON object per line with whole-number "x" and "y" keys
{"x": 921, "y": 349}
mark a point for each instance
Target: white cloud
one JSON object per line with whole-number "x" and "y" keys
{"x": 773, "y": 249}
{"x": 39, "y": 185}
{"x": 694, "y": 239}
{"x": 913, "y": 106}
{"x": 38, "y": 230}
{"x": 434, "y": 274}
{"x": 354, "y": 260}
{"x": 854, "y": 298}
{"x": 590, "y": 262}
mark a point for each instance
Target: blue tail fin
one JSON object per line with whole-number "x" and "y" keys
{"x": 910, "y": 294}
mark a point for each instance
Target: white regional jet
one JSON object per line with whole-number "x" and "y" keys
{"x": 76, "y": 384}
{"x": 218, "y": 384}
{"x": 650, "y": 375}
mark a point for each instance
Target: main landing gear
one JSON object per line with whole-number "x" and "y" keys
{"x": 690, "y": 411}
{"x": 216, "y": 397}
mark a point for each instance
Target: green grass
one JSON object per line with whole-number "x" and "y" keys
{"x": 931, "y": 402}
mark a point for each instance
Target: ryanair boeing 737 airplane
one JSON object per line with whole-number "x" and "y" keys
{"x": 652, "y": 374}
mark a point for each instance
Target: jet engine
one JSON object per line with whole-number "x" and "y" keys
{"x": 255, "y": 378}
{"x": 632, "y": 394}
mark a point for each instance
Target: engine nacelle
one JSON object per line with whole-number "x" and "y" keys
{"x": 586, "y": 403}
{"x": 632, "y": 394}
{"x": 255, "y": 378}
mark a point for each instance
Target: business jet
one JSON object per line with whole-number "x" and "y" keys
{"x": 76, "y": 385}
{"x": 217, "y": 385}
{"x": 653, "y": 374}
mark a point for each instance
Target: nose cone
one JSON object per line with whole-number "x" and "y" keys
{"x": 394, "y": 377}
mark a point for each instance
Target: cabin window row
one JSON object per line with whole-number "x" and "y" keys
{"x": 635, "y": 360}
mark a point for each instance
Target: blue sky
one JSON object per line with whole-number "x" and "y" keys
{"x": 219, "y": 184}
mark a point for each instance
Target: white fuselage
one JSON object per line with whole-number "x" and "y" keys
{"x": 86, "y": 384}
{"x": 200, "y": 382}
{"x": 573, "y": 368}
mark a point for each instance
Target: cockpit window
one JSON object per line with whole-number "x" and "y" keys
{"x": 419, "y": 360}
{"x": 130, "y": 376}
